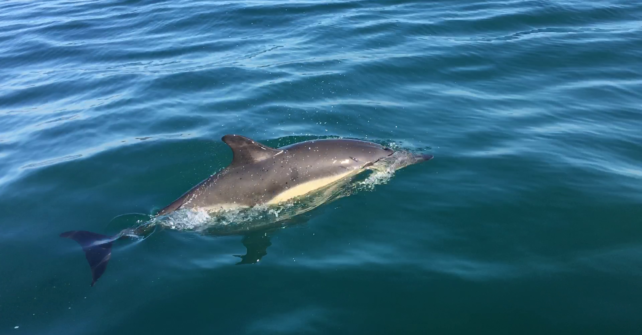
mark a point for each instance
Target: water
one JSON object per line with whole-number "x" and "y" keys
{"x": 528, "y": 220}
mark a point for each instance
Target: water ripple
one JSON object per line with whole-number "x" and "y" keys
{"x": 532, "y": 109}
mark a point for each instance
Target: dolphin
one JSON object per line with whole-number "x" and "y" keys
{"x": 257, "y": 175}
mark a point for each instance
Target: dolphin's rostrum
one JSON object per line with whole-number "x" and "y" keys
{"x": 258, "y": 175}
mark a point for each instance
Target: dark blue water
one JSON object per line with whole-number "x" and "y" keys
{"x": 528, "y": 220}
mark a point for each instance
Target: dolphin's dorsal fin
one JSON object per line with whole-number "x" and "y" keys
{"x": 248, "y": 151}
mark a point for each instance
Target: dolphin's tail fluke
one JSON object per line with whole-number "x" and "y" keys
{"x": 97, "y": 250}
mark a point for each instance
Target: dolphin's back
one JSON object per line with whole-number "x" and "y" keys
{"x": 280, "y": 175}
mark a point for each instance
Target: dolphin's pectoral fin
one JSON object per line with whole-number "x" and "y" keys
{"x": 256, "y": 244}
{"x": 97, "y": 250}
{"x": 247, "y": 151}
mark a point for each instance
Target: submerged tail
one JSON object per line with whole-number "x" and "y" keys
{"x": 97, "y": 249}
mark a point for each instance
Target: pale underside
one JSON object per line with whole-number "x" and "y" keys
{"x": 291, "y": 193}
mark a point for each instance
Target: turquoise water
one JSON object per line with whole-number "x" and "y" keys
{"x": 528, "y": 220}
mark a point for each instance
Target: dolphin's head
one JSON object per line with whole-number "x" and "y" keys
{"x": 372, "y": 154}
{"x": 349, "y": 154}
{"x": 363, "y": 154}
{"x": 402, "y": 158}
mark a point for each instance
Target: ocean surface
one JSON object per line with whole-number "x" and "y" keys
{"x": 527, "y": 221}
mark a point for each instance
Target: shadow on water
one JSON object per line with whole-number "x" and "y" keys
{"x": 257, "y": 242}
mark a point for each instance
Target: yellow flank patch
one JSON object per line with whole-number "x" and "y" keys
{"x": 308, "y": 187}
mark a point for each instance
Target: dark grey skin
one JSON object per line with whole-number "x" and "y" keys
{"x": 259, "y": 173}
